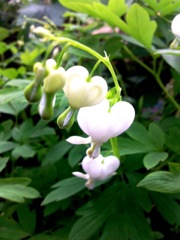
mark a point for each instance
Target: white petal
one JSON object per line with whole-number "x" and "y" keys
{"x": 81, "y": 175}
{"x": 78, "y": 140}
{"x": 175, "y": 25}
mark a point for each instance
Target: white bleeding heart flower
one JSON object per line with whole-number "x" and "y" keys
{"x": 101, "y": 122}
{"x": 98, "y": 169}
{"x": 82, "y": 91}
{"x": 175, "y": 26}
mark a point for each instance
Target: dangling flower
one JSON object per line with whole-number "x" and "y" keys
{"x": 81, "y": 90}
{"x": 98, "y": 169}
{"x": 101, "y": 123}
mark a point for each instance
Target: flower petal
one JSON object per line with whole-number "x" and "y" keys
{"x": 78, "y": 140}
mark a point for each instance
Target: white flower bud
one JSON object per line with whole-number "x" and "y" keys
{"x": 82, "y": 92}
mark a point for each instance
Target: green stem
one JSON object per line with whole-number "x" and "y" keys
{"x": 64, "y": 49}
{"x": 93, "y": 70}
{"x": 156, "y": 76}
{"x": 115, "y": 147}
{"x": 83, "y": 47}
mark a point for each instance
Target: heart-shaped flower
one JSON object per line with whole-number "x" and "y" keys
{"x": 101, "y": 122}
{"x": 82, "y": 91}
{"x": 98, "y": 169}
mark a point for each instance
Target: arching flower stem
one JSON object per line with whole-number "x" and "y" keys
{"x": 85, "y": 48}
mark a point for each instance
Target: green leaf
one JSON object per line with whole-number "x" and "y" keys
{"x": 118, "y": 9}
{"x": 161, "y": 181}
{"x": 173, "y": 61}
{"x": 173, "y": 139}
{"x": 154, "y": 158}
{"x": 3, "y": 162}
{"x": 140, "y": 26}
{"x": 128, "y": 146}
{"x": 3, "y": 47}
{"x": 168, "y": 208}
{"x": 6, "y": 146}
{"x": 7, "y": 95}
{"x": 17, "y": 192}
{"x": 65, "y": 189}
{"x": 114, "y": 215}
{"x": 96, "y": 9}
{"x": 27, "y": 218}
{"x": 76, "y": 154}
{"x": 9, "y": 228}
{"x": 24, "y": 151}
{"x": 156, "y": 136}
{"x": 56, "y": 152}
{"x": 139, "y": 133}
{"x": 4, "y": 33}
{"x": 174, "y": 168}
{"x": 21, "y": 180}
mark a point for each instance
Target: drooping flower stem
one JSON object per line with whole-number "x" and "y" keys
{"x": 115, "y": 147}
{"x": 156, "y": 76}
{"x": 85, "y": 48}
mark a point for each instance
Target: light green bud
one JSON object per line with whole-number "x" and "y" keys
{"x": 66, "y": 119}
{"x": 46, "y": 106}
{"x": 54, "y": 81}
{"x": 33, "y": 91}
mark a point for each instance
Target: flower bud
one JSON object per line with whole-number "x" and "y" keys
{"x": 33, "y": 91}
{"x": 50, "y": 65}
{"x": 54, "y": 81}
{"x": 41, "y": 31}
{"x": 66, "y": 119}
{"x": 46, "y": 105}
{"x": 82, "y": 91}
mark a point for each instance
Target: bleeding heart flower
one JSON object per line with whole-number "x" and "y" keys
{"x": 101, "y": 122}
{"x": 82, "y": 91}
{"x": 98, "y": 169}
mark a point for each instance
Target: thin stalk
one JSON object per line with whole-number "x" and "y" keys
{"x": 115, "y": 147}
{"x": 156, "y": 76}
{"x": 83, "y": 47}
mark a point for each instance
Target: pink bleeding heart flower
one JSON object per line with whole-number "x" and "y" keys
{"x": 98, "y": 169}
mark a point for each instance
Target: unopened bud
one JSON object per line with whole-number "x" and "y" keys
{"x": 33, "y": 91}
{"x": 66, "y": 119}
{"x": 46, "y": 105}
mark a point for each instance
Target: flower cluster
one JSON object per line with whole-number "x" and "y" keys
{"x": 97, "y": 117}
{"x": 101, "y": 123}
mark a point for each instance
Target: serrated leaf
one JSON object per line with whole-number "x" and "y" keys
{"x": 154, "y": 158}
{"x": 65, "y": 189}
{"x": 161, "y": 181}
{"x": 3, "y": 162}
{"x": 140, "y": 26}
{"x": 173, "y": 139}
{"x": 7, "y": 95}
